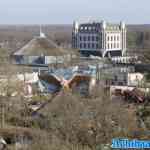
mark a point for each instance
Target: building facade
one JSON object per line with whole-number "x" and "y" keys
{"x": 99, "y": 38}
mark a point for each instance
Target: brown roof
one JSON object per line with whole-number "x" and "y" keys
{"x": 41, "y": 46}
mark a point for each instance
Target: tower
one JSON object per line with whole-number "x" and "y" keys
{"x": 75, "y": 35}
{"x": 103, "y": 35}
{"x": 76, "y": 26}
{"x": 123, "y": 36}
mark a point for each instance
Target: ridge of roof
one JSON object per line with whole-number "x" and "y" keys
{"x": 40, "y": 46}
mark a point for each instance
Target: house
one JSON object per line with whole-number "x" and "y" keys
{"x": 116, "y": 75}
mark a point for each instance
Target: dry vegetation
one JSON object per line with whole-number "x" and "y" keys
{"x": 61, "y": 34}
{"x": 15, "y": 37}
{"x": 69, "y": 122}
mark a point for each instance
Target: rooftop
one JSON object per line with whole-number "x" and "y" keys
{"x": 41, "y": 46}
{"x": 95, "y": 26}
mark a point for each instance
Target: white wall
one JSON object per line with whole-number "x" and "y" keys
{"x": 112, "y": 41}
{"x": 135, "y": 79}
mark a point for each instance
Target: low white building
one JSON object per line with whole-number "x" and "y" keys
{"x": 125, "y": 59}
{"x": 135, "y": 79}
{"x": 28, "y": 77}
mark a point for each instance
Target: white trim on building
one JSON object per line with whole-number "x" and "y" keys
{"x": 99, "y": 36}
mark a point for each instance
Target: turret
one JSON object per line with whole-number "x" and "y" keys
{"x": 104, "y": 24}
{"x": 75, "y": 34}
{"x": 122, "y": 25}
{"x": 123, "y": 30}
{"x": 75, "y": 26}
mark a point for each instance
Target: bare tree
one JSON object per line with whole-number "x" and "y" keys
{"x": 89, "y": 122}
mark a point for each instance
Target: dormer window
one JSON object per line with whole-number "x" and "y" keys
{"x": 81, "y": 28}
{"x": 85, "y": 28}
{"x": 89, "y": 28}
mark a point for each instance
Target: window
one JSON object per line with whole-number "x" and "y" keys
{"x": 84, "y": 45}
{"x": 85, "y": 28}
{"x": 116, "y": 78}
{"x": 80, "y": 38}
{"x": 111, "y": 38}
{"x": 89, "y": 28}
{"x": 84, "y": 38}
{"x": 108, "y": 38}
{"x": 93, "y": 38}
{"x": 93, "y": 45}
{"x": 117, "y": 38}
{"x": 118, "y": 45}
{"x": 97, "y": 38}
{"x": 108, "y": 46}
{"x": 114, "y": 38}
{"x": 89, "y": 46}
{"x": 97, "y": 46}
{"x": 89, "y": 38}
{"x": 111, "y": 45}
{"x": 80, "y": 45}
{"x": 114, "y": 45}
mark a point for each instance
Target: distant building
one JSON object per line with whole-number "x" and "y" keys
{"x": 99, "y": 38}
{"x": 41, "y": 50}
{"x": 125, "y": 60}
{"x": 135, "y": 79}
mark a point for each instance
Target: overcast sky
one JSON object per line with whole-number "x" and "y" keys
{"x": 65, "y": 11}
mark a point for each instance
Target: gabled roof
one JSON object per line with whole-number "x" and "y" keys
{"x": 41, "y": 46}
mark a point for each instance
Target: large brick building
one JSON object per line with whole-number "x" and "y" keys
{"x": 99, "y": 38}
